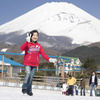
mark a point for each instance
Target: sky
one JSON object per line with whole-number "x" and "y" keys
{"x": 11, "y": 9}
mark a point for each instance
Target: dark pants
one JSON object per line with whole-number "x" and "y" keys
{"x": 70, "y": 90}
{"x": 76, "y": 90}
{"x": 83, "y": 91}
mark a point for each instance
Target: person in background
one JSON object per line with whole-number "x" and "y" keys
{"x": 31, "y": 59}
{"x": 71, "y": 81}
{"x": 93, "y": 83}
{"x": 64, "y": 88}
{"x": 82, "y": 86}
{"x": 76, "y": 89}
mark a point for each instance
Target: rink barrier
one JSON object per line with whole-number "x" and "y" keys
{"x": 10, "y": 81}
{"x": 39, "y": 82}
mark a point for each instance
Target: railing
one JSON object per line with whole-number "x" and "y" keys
{"x": 39, "y": 82}
{"x": 10, "y": 81}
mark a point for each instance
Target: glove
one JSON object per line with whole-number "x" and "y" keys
{"x": 28, "y": 37}
{"x": 52, "y": 60}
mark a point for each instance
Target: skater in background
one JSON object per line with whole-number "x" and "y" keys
{"x": 71, "y": 81}
{"x": 64, "y": 88}
{"x": 76, "y": 89}
{"x": 82, "y": 86}
{"x": 31, "y": 59}
{"x": 93, "y": 83}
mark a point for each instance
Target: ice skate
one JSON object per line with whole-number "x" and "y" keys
{"x": 30, "y": 94}
{"x": 23, "y": 91}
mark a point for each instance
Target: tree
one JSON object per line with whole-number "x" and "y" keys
{"x": 89, "y": 65}
{"x": 11, "y": 58}
{"x": 46, "y": 65}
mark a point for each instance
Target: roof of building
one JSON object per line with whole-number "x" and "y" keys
{"x": 7, "y": 64}
{"x": 11, "y": 62}
{"x": 74, "y": 60}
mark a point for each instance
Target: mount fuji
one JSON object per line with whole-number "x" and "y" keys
{"x": 61, "y": 25}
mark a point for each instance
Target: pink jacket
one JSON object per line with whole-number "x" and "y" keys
{"x": 32, "y": 51}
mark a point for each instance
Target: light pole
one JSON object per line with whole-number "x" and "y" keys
{"x": 3, "y": 50}
{"x": 63, "y": 68}
{"x": 57, "y": 66}
{"x": 2, "y": 65}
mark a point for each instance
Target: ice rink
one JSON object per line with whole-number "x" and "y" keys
{"x": 14, "y": 93}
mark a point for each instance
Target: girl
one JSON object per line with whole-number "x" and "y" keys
{"x": 31, "y": 59}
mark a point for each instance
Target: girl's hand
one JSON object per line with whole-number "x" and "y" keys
{"x": 28, "y": 37}
{"x": 52, "y": 60}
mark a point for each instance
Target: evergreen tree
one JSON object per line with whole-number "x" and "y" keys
{"x": 46, "y": 65}
{"x": 11, "y": 58}
{"x": 90, "y": 66}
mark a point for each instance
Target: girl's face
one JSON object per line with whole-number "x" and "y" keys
{"x": 34, "y": 37}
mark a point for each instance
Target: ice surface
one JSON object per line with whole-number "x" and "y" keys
{"x": 14, "y": 93}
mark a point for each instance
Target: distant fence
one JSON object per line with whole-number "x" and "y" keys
{"x": 39, "y": 82}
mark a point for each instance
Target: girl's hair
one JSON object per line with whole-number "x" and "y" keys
{"x": 32, "y": 32}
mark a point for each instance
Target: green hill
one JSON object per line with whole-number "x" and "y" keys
{"x": 83, "y": 52}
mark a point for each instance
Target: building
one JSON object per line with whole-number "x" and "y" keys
{"x": 71, "y": 65}
{"x": 10, "y": 67}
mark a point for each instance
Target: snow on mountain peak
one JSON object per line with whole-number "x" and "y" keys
{"x": 57, "y": 19}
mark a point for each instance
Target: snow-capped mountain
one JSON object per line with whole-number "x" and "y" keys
{"x": 54, "y": 19}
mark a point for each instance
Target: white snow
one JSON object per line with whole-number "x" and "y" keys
{"x": 13, "y": 93}
{"x": 4, "y": 63}
{"x": 4, "y": 49}
{"x": 46, "y": 44}
{"x": 57, "y": 19}
{"x": 10, "y": 43}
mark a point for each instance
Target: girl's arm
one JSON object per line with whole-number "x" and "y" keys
{"x": 43, "y": 54}
{"x": 24, "y": 46}
{"x": 46, "y": 57}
